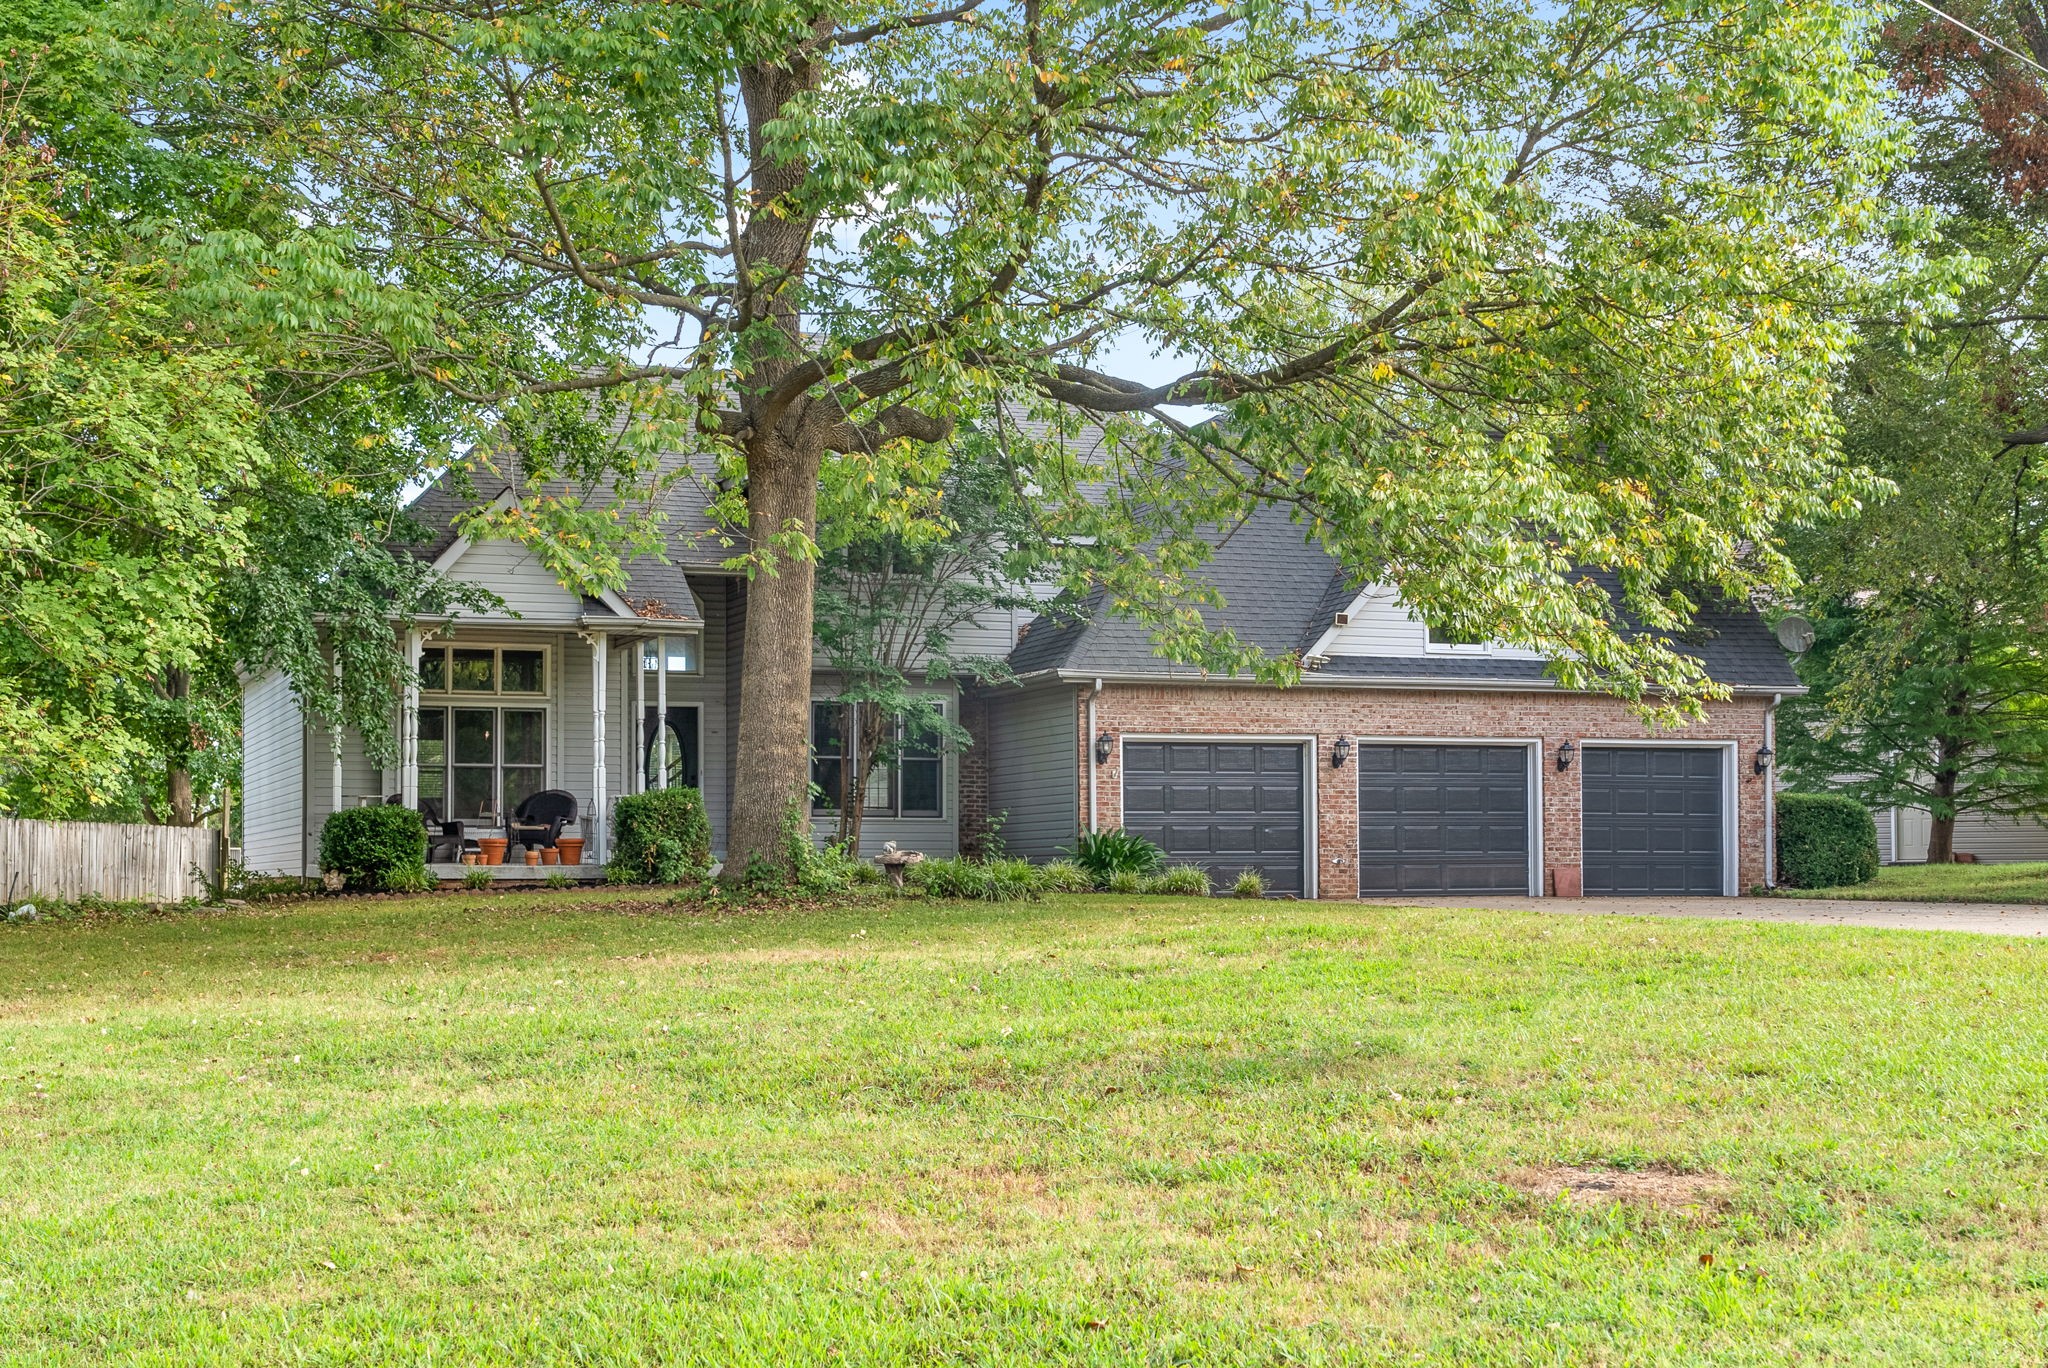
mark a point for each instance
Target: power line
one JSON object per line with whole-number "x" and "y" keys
{"x": 1979, "y": 33}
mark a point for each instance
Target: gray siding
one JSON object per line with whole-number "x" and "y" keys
{"x": 272, "y": 775}
{"x": 1993, "y": 840}
{"x": 1032, "y": 771}
{"x": 511, "y": 572}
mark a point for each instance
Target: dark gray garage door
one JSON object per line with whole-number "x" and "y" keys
{"x": 1226, "y": 806}
{"x": 1653, "y": 820}
{"x": 1443, "y": 819}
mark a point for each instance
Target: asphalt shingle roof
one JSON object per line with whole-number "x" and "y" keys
{"x": 1282, "y": 591}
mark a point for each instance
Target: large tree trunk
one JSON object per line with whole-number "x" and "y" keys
{"x": 775, "y": 693}
{"x": 1948, "y": 768}
{"x": 176, "y": 686}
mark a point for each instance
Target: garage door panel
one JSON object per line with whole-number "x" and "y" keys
{"x": 1443, "y": 819}
{"x": 1226, "y": 806}
{"x": 1653, "y": 820}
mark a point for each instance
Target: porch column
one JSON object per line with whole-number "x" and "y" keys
{"x": 409, "y": 726}
{"x": 600, "y": 654}
{"x": 661, "y": 713}
{"x": 639, "y": 716}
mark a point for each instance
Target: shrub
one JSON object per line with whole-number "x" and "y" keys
{"x": 661, "y": 836}
{"x": 559, "y": 880}
{"x": 477, "y": 877}
{"x": 1124, "y": 881}
{"x": 1064, "y": 876}
{"x": 376, "y": 848}
{"x": 1187, "y": 881}
{"x": 1249, "y": 884}
{"x": 1106, "y": 853}
{"x": 1825, "y": 840}
{"x": 991, "y": 881}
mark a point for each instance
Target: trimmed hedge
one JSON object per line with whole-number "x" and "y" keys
{"x": 1825, "y": 840}
{"x": 661, "y": 836}
{"x": 376, "y": 848}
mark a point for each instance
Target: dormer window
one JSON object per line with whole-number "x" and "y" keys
{"x": 1447, "y": 639}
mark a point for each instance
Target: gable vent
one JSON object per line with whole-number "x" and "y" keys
{"x": 1343, "y": 619}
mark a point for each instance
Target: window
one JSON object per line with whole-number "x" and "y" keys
{"x": 914, "y": 786}
{"x": 484, "y": 670}
{"x": 1446, "y": 638}
{"x": 682, "y": 654}
{"x": 829, "y": 736}
{"x": 920, "y": 771}
{"x": 481, "y": 763}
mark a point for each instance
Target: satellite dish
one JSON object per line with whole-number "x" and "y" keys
{"x": 1795, "y": 634}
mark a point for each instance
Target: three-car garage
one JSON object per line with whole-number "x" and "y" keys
{"x": 1442, "y": 816}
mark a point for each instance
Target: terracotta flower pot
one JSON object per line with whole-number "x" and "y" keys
{"x": 571, "y": 848}
{"x": 493, "y": 849}
{"x": 533, "y": 857}
{"x": 549, "y": 855}
{"x": 469, "y": 857}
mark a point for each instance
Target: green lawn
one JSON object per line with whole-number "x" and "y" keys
{"x": 496, "y": 1129}
{"x": 1974, "y": 883}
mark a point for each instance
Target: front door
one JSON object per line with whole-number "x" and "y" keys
{"x": 679, "y": 743}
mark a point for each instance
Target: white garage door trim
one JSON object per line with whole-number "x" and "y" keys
{"x": 1533, "y": 744}
{"x": 1731, "y": 850}
{"x": 1311, "y": 762}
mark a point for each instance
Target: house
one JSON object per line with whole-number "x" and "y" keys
{"x": 1902, "y": 837}
{"x": 1401, "y": 763}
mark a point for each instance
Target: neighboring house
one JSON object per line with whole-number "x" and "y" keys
{"x": 1400, "y": 764}
{"x": 1902, "y": 837}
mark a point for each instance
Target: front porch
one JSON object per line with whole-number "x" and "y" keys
{"x": 456, "y": 875}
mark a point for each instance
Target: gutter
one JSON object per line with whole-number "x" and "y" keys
{"x": 1088, "y": 760}
{"x": 1770, "y": 778}
{"x": 1323, "y": 681}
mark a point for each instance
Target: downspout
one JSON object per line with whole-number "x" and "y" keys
{"x": 1770, "y": 778}
{"x": 1088, "y": 757}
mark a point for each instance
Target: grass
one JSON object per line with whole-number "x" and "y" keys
{"x": 554, "y": 1128}
{"x": 1960, "y": 883}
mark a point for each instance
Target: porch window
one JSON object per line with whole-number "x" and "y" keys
{"x": 682, "y": 654}
{"x": 482, "y": 762}
{"x": 484, "y": 670}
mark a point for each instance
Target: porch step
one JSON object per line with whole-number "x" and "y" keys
{"x": 449, "y": 873}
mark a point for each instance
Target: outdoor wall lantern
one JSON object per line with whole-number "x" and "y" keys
{"x": 1104, "y": 744}
{"x": 1763, "y": 760}
{"x": 1340, "y": 752}
{"x": 1565, "y": 751}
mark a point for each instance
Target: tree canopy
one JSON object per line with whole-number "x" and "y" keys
{"x": 1488, "y": 293}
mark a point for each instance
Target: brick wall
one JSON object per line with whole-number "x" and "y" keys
{"x": 973, "y": 762}
{"x": 1382, "y": 714}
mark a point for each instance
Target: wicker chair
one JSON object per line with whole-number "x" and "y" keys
{"x": 538, "y": 822}
{"x": 446, "y": 840}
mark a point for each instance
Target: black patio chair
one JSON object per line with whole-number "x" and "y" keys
{"x": 446, "y": 840}
{"x": 537, "y": 823}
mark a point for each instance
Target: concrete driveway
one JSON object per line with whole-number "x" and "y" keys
{"x": 1998, "y": 919}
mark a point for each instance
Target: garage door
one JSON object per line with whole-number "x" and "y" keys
{"x": 1443, "y": 819}
{"x": 1652, "y": 820}
{"x": 1226, "y": 806}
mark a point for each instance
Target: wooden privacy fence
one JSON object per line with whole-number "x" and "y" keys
{"x": 119, "y": 860}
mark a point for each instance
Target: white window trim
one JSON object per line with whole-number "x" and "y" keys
{"x": 547, "y": 666}
{"x": 1431, "y": 646}
{"x": 652, "y": 664}
{"x": 948, "y": 799}
{"x": 497, "y": 703}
